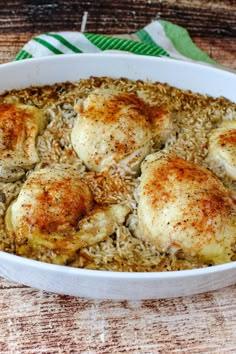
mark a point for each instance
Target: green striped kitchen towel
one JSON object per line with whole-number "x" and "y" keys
{"x": 159, "y": 38}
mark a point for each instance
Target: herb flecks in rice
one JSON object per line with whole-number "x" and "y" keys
{"x": 195, "y": 116}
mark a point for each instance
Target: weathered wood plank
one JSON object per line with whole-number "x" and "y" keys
{"x": 6, "y": 284}
{"x": 36, "y": 322}
{"x": 223, "y": 51}
{"x": 207, "y": 18}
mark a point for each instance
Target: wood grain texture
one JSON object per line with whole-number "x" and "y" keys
{"x": 119, "y": 16}
{"x": 212, "y": 24}
{"x": 37, "y": 322}
{"x": 222, "y": 50}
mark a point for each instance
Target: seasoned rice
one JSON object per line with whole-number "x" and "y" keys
{"x": 194, "y": 115}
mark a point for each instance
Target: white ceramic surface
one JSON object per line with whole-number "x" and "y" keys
{"x": 112, "y": 285}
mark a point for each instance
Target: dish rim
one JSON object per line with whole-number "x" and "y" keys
{"x": 126, "y": 55}
{"x": 116, "y": 274}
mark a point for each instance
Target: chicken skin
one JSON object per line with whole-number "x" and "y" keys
{"x": 118, "y": 128}
{"x": 222, "y": 148}
{"x": 55, "y": 215}
{"x": 184, "y": 207}
{"x": 19, "y": 127}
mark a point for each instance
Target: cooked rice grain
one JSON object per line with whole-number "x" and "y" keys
{"x": 194, "y": 115}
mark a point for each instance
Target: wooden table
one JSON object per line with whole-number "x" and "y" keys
{"x": 34, "y": 321}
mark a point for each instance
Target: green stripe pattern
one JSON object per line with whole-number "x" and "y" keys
{"x": 64, "y": 41}
{"x": 49, "y": 46}
{"x": 23, "y": 54}
{"x": 145, "y": 37}
{"x": 113, "y": 43}
{"x": 146, "y": 43}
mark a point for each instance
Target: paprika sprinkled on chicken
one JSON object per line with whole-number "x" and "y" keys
{"x": 118, "y": 128}
{"x": 184, "y": 207}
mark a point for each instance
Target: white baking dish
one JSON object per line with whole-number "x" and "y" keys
{"x": 101, "y": 284}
